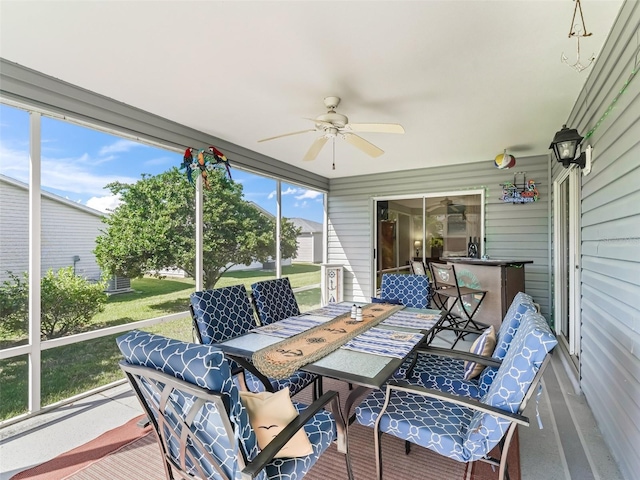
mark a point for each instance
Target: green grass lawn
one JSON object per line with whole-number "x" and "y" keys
{"x": 73, "y": 369}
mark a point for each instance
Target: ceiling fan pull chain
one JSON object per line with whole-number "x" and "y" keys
{"x": 334, "y": 153}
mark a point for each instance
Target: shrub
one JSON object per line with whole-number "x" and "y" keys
{"x": 68, "y": 303}
{"x": 14, "y": 305}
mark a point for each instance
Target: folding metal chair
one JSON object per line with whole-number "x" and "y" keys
{"x": 460, "y": 302}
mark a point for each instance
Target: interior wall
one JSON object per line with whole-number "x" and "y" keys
{"x": 513, "y": 231}
{"x": 610, "y": 232}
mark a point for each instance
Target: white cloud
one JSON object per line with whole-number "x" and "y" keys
{"x": 104, "y": 204}
{"x": 119, "y": 146}
{"x": 160, "y": 161}
{"x": 71, "y": 175}
{"x": 299, "y": 193}
{"x": 308, "y": 194}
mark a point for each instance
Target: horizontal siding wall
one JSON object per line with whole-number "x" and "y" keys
{"x": 66, "y": 231}
{"x": 610, "y": 229}
{"x": 519, "y": 232}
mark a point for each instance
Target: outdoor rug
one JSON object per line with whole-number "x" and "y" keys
{"x": 140, "y": 458}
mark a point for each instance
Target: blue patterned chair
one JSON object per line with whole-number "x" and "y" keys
{"x": 225, "y": 313}
{"x": 203, "y": 430}
{"x": 274, "y": 300}
{"x": 443, "y": 369}
{"x": 462, "y": 428}
{"x": 408, "y": 290}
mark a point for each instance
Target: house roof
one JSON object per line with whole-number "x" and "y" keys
{"x": 465, "y": 79}
{"x": 306, "y": 226}
{"x": 52, "y": 196}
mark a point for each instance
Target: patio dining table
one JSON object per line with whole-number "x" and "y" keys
{"x": 366, "y": 361}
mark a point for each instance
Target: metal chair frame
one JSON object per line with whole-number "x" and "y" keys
{"x": 448, "y": 293}
{"x": 161, "y": 389}
{"x": 515, "y": 418}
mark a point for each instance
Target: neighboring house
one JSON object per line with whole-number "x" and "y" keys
{"x": 309, "y": 240}
{"x": 69, "y": 232}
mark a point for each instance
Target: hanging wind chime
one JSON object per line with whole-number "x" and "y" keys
{"x": 577, "y": 31}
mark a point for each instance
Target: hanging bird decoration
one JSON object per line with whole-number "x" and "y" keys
{"x": 206, "y": 160}
{"x": 220, "y": 159}
{"x": 202, "y": 165}
{"x": 187, "y": 161}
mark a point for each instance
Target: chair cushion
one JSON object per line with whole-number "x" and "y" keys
{"x": 296, "y": 382}
{"x": 521, "y": 304}
{"x": 483, "y": 345}
{"x": 202, "y": 365}
{"x": 419, "y": 420}
{"x": 222, "y": 313}
{"x": 531, "y": 344}
{"x": 321, "y": 431}
{"x": 392, "y": 301}
{"x": 411, "y": 290}
{"x": 269, "y": 413}
{"x": 274, "y": 300}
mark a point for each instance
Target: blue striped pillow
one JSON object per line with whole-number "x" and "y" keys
{"x": 484, "y": 345}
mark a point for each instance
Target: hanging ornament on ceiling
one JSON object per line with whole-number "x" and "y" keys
{"x": 504, "y": 160}
{"x": 205, "y": 160}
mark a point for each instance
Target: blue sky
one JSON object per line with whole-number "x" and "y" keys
{"x": 77, "y": 163}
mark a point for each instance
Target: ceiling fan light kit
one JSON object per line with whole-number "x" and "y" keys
{"x": 333, "y": 124}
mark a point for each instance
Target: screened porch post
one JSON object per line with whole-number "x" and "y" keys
{"x": 199, "y": 273}
{"x": 278, "y": 227}
{"x": 35, "y": 228}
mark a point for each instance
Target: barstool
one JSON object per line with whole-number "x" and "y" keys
{"x": 447, "y": 293}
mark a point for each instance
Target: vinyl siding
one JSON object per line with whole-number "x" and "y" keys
{"x": 610, "y": 229}
{"x": 67, "y": 230}
{"x": 519, "y": 232}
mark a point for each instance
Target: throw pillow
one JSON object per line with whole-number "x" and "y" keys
{"x": 484, "y": 346}
{"x": 269, "y": 413}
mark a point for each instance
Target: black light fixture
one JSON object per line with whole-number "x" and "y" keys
{"x": 565, "y": 144}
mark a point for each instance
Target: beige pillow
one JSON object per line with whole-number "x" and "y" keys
{"x": 484, "y": 345}
{"x": 269, "y": 413}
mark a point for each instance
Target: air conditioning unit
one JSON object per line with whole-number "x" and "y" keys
{"x": 119, "y": 285}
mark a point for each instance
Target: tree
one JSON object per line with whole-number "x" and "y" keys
{"x": 154, "y": 228}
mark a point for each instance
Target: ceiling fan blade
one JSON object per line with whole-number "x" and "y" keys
{"x": 286, "y": 135}
{"x": 315, "y": 148}
{"x": 360, "y": 143}
{"x": 320, "y": 122}
{"x": 375, "y": 127}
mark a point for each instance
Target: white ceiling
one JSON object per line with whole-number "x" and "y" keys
{"x": 465, "y": 79}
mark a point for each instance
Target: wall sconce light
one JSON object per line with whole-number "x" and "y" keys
{"x": 565, "y": 144}
{"x": 417, "y": 245}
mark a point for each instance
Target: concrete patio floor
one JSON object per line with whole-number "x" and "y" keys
{"x": 569, "y": 447}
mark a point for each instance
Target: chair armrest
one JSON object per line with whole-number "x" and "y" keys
{"x": 472, "y": 357}
{"x": 247, "y": 365}
{"x": 458, "y": 400}
{"x": 266, "y": 455}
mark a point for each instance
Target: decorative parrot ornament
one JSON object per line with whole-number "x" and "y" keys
{"x": 187, "y": 160}
{"x": 205, "y": 161}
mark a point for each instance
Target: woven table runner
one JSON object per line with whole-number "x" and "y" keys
{"x": 281, "y": 359}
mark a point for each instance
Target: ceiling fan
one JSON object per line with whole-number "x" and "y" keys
{"x": 332, "y": 125}
{"x": 446, "y": 207}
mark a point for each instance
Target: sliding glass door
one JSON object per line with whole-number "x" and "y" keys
{"x": 427, "y": 227}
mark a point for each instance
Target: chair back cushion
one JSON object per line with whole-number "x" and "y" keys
{"x": 222, "y": 313}
{"x": 206, "y": 367}
{"x": 274, "y": 300}
{"x": 521, "y": 304}
{"x": 410, "y": 290}
{"x": 531, "y": 344}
